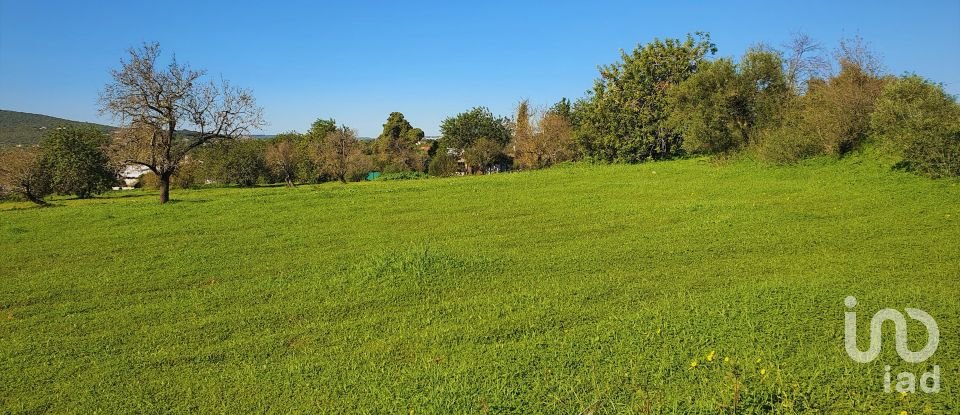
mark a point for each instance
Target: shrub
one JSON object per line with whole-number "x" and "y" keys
{"x": 443, "y": 164}
{"x": 149, "y": 180}
{"x": 918, "y": 122}
{"x": 789, "y": 142}
{"x": 395, "y": 168}
{"x": 837, "y": 111}
{"x": 188, "y": 175}
{"x": 787, "y": 145}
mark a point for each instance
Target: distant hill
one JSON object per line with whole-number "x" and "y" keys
{"x": 25, "y": 128}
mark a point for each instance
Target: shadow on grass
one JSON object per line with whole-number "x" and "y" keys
{"x": 23, "y": 206}
{"x": 186, "y": 201}
{"x": 128, "y": 196}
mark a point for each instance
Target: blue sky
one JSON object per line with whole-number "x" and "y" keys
{"x": 358, "y": 61}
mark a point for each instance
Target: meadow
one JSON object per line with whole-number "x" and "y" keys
{"x": 688, "y": 286}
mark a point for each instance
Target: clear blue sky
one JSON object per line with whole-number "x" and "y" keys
{"x": 357, "y": 61}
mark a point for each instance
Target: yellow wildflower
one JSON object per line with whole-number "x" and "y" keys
{"x": 711, "y": 355}
{"x": 693, "y": 363}
{"x": 763, "y": 371}
{"x": 726, "y": 359}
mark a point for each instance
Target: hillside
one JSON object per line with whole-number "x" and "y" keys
{"x": 668, "y": 287}
{"x": 26, "y": 128}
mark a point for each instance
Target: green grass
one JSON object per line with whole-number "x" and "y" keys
{"x": 575, "y": 289}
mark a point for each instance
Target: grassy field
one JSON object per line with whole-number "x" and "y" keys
{"x": 673, "y": 287}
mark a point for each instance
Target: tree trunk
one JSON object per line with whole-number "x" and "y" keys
{"x": 164, "y": 188}
{"x": 33, "y": 198}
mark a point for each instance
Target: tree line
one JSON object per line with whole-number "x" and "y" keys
{"x": 665, "y": 99}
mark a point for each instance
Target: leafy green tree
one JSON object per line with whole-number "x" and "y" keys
{"x": 920, "y": 123}
{"x": 396, "y": 147}
{"x": 462, "y": 130}
{"x": 704, "y": 108}
{"x": 22, "y": 174}
{"x": 238, "y": 162}
{"x": 320, "y": 128}
{"x": 624, "y": 117}
{"x": 563, "y": 109}
{"x": 765, "y": 89}
{"x": 73, "y": 157}
{"x": 309, "y": 167}
{"x": 722, "y": 107}
{"x": 483, "y": 154}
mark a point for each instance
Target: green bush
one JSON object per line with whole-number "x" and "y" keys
{"x": 442, "y": 164}
{"x": 787, "y": 144}
{"x": 918, "y": 122}
{"x": 149, "y": 180}
{"x": 724, "y": 107}
{"x": 240, "y": 162}
{"x": 188, "y": 175}
{"x": 75, "y": 161}
{"x": 837, "y": 111}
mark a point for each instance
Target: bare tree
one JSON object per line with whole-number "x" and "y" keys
{"x": 856, "y": 51}
{"x": 168, "y": 111}
{"x": 547, "y": 140}
{"x": 282, "y": 158}
{"x": 341, "y": 154}
{"x": 804, "y": 61}
{"x": 21, "y": 173}
{"x": 522, "y": 131}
